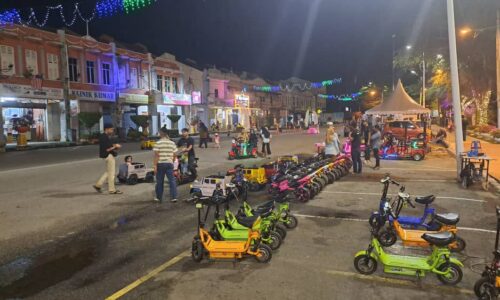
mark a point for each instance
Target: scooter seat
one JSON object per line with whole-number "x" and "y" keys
{"x": 440, "y": 239}
{"x": 247, "y": 221}
{"x": 266, "y": 205}
{"x": 425, "y": 199}
{"x": 447, "y": 219}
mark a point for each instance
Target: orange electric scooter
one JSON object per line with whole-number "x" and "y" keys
{"x": 203, "y": 243}
{"x": 411, "y": 237}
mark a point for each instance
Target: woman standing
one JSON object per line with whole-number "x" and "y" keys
{"x": 375, "y": 141}
{"x": 266, "y": 141}
{"x": 332, "y": 142}
{"x": 203, "y": 134}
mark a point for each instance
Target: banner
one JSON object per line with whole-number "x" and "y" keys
{"x": 176, "y": 99}
{"x": 26, "y": 91}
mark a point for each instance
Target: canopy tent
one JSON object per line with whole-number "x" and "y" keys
{"x": 400, "y": 103}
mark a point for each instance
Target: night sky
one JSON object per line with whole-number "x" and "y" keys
{"x": 277, "y": 39}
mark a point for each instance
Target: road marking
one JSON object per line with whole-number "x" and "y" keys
{"x": 377, "y": 194}
{"x": 148, "y": 276}
{"x": 366, "y": 220}
{"x": 401, "y": 282}
{"x": 420, "y": 169}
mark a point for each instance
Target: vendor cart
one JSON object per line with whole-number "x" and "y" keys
{"x": 475, "y": 169}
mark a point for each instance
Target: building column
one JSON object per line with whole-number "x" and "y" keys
{"x": 64, "y": 105}
{"x": 3, "y": 138}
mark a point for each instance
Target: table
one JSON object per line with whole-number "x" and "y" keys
{"x": 482, "y": 161}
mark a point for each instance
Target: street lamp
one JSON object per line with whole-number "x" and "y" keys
{"x": 408, "y": 47}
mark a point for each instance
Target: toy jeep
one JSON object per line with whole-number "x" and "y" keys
{"x": 149, "y": 143}
{"x": 206, "y": 186}
{"x": 134, "y": 173}
{"x": 256, "y": 177}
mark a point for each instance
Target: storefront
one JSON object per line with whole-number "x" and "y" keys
{"x": 174, "y": 104}
{"x": 239, "y": 113}
{"x": 133, "y": 105}
{"x": 39, "y": 108}
{"x": 94, "y": 102}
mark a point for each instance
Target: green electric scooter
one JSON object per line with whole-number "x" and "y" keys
{"x": 232, "y": 228}
{"x": 439, "y": 262}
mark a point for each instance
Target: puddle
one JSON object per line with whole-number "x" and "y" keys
{"x": 27, "y": 276}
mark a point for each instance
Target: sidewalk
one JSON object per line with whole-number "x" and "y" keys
{"x": 492, "y": 150}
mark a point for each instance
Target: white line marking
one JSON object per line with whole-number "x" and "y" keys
{"x": 426, "y": 170}
{"x": 363, "y": 220}
{"x": 377, "y": 194}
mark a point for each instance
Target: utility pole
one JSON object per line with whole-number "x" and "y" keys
{"x": 455, "y": 89}
{"x": 498, "y": 67}
{"x": 393, "y": 54}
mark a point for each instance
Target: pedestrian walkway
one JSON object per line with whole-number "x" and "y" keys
{"x": 492, "y": 150}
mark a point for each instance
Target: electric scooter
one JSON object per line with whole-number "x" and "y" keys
{"x": 447, "y": 269}
{"x": 488, "y": 286}
{"x": 411, "y": 222}
{"x": 203, "y": 243}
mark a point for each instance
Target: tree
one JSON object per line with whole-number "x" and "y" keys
{"x": 372, "y": 95}
{"x": 89, "y": 120}
{"x": 141, "y": 121}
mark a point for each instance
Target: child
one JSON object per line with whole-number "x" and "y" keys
{"x": 123, "y": 170}
{"x": 217, "y": 140}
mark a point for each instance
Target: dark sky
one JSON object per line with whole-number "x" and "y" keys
{"x": 311, "y": 39}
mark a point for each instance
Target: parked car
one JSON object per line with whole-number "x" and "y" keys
{"x": 397, "y": 128}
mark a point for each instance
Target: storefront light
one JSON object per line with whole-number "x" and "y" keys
{"x": 4, "y": 99}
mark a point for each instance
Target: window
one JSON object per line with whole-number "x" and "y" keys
{"x": 175, "y": 86}
{"x": 106, "y": 71}
{"x": 216, "y": 93}
{"x": 31, "y": 61}
{"x": 7, "y": 60}
{"x": 90, "y": 72}
{"x": 73, "y": 69}
{"x": 159, "y": 83}
{"x": 133, "y": 78}
{"x": 145, "y": 79}
{"x": 167, "y": 84}
{"x": 53, "y": 66}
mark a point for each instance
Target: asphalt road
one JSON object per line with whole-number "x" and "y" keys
{"x": 115, "y": 244}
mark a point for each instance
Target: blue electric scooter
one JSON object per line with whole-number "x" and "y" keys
{"x": 378, "y": 218}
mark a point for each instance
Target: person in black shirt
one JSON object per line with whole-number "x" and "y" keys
{"x": 108, "y": 151}
{"x": 187, "y": 144}
{"x": 356, "y": 148}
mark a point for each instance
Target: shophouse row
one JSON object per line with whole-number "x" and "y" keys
{"x": 51, "y": 77}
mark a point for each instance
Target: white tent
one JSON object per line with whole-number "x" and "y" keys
{"x": 400, "y": 103}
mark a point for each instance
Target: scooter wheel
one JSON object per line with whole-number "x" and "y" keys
{"x": 459, "y": 245}
{"x": 387, "y": 238}
{"x": 374, "y": 220}
{"x": 453, "y": 276}
{"x": 484, "y": 289}
{"x": 291, "y": 222}
{"x": 265, "y": 254}
{"x": 281, "y": 230}
{"x": 303, "y": 195}
{"x": 273, "y": 240}
{"x": 365, "y": 264}
{"x": 197, "y": 249}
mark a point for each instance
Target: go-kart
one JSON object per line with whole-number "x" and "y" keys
{"x": 392, "y": 149}
{"x": 242, "y": 150}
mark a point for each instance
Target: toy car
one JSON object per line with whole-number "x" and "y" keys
{"x": 242, "y": 150}
{"x": 206, "y": 186}
{"x": 391, "y": 149}
{"x": 256, "y": 177}
{"x": 149, "y": 143}
{"x": 135, "y": 172}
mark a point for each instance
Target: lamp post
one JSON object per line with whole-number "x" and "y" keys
{"x": 455, "y": 89}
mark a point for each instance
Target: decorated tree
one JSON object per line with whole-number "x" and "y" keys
{"x": 143, "y": 122}
{"x": 89, "y": 120}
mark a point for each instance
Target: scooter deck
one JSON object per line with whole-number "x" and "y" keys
{"x": 407, "y": 262}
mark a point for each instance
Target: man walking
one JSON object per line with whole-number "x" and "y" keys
{"x": 108, "y": 151}
{"x": 186, "y": 143}
{"x": 376, "y": 141}
{"x": 163, "y": 162}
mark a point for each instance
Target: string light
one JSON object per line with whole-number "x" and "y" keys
{"x": 343, "y": 97}
{"x": 305, "y": 86}
{"x": 131, "y": 5}
{"x": 107, "y": 8}
{"x": 9, "y": 16}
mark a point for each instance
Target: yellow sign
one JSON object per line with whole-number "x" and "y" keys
{"x": 241, "y": 100}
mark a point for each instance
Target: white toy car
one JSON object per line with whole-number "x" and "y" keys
{"x": 206, "y": 186}
{"x": 132, "y": 173}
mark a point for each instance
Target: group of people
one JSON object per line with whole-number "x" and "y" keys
{"x": 358, "y": 134}
{"x": 252, "y": 138}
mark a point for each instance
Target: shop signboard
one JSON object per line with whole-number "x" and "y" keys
{"x": 241, "y": 100}
{"x": 74, "y": 108}
{"x": 176, "y": 99}
{"x": 93, "y": 95}
{"x": 26, "y": 91}
{"x": 196, "y": 96}
{"x": 134, "y": 98}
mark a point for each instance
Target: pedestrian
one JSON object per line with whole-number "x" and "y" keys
{"x": 365, "y": 131}
{"x": 217, "y": 140}
{"x": 163, "y": 162}
{"x": 203, "y": 135}
{"x": 346, "y": 129}
{"x": 356, "y": 148}
{"x": 375, "y": 143}
{"x": 332, "y": 142}
{"x": 108, "y": 151}
{"x": 266, "y": 141}
{"x": 465, "y": 123}
{"x": 186, "y": 143}
{"x": 253, "y": 139}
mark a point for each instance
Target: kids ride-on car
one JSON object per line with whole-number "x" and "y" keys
{"x": 242, "y": 150}
{"x": 135, "y": 173}
{"x": 206, "y": 186}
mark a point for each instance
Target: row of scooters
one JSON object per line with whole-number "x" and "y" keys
{"x": 434, "y": 231}
{"x": 257, "y": 231}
